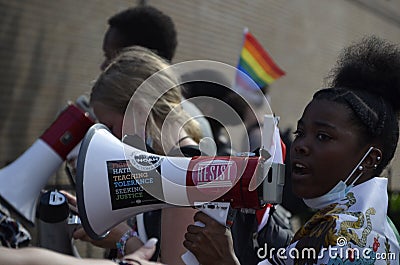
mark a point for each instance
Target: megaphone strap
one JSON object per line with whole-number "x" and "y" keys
{"x": 182, "y": 139}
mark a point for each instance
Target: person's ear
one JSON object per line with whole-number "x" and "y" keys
{"x": 373, "y": 159}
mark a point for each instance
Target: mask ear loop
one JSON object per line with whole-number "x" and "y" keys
{"x": 354, "y": 170}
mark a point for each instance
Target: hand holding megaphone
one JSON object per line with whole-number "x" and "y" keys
{"x": 218, "y": 211}
{"x": 56, "y": 223}
{"x": 212, "y": 243}
{"x": 112, "y": 237}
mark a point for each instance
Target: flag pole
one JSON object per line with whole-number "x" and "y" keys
{"x": 245, "y": 31}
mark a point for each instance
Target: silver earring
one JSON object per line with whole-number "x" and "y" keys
{"x": 360, "y": 168}
{"x": 378, "y": 158}
{"x": 375, "y": 166}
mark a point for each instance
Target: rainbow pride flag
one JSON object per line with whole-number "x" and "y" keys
{"x": 256, "y": 63}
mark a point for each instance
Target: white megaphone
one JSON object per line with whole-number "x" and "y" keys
{"x": 116, "y": 181}
{"x": 23, "y": 180}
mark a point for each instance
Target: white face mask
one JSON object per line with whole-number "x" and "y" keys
{"x": 338, "y": 192}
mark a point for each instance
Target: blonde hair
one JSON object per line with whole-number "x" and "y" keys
{"x": 122, "y": 78}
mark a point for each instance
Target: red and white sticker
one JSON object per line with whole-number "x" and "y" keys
{"x": 214, "y": 174}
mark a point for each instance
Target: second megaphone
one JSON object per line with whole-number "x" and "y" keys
{"x": 116, "y": 181}
{"x": 23, "y": 180}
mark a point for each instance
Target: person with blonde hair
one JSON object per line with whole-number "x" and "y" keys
{"x": 155, "y": 114}
{"x": 121, "y": 79}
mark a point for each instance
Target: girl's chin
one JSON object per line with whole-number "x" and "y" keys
{"x": 302, "y": 191}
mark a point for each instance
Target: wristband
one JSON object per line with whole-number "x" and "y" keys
{"x": 121, "y": 244}
{"x": 127, "y": 262}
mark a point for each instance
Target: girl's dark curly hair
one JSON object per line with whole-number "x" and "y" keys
{"x": 366, "y": 79}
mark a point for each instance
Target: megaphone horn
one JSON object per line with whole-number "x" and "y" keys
{"x": 22, "y": 180}
{"x": 116, "y": 181}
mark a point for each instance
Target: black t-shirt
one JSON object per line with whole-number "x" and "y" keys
{"x": 247, "y": 240}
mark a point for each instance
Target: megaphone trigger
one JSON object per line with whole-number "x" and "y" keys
{"x": 222, "y": 212}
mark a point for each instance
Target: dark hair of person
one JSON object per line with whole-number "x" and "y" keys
{"x": 366, "y": 79}
{"x": 213, "y": 84}
{"x": 148, "y": 27}
{"x": 217, "y": 91}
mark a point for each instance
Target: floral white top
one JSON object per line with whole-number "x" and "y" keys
{"x": 355, "y": 230}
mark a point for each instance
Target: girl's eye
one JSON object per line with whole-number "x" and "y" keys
{"x": 297, "y": 133}
{"x": 323, "y": 137}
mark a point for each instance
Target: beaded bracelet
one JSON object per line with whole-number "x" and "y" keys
{"x": 121, "y": 244}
